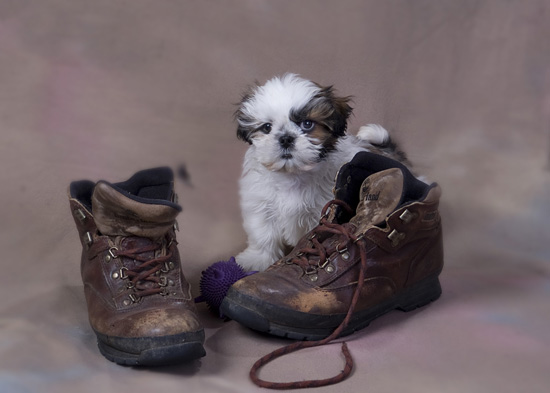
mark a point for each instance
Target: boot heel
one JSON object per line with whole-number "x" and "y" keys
{"x": 424, "y": 292}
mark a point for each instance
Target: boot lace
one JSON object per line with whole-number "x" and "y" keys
{"x": 145, "y": 278}
{"x": 306, "y": 256}
{"x": 303, "y": 259}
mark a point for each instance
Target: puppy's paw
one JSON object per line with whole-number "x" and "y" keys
{"x": 373, "y": 133}
{"x": 254, "y": 260}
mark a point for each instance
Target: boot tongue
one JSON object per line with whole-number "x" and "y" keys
{"x": 381, "y": 193}
{"x": 117, "y": 214}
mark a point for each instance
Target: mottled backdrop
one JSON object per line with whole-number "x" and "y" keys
{"x": 100, "y": 89}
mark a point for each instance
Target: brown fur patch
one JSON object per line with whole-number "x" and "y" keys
{"x": 330, "y": 114}
{"x": 321, "y": 135}
{"x": 326, "y": 110}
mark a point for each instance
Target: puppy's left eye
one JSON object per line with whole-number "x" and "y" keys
{"x": 307, "y": 125}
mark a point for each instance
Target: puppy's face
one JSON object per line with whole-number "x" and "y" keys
{"x": 293, "y": 123}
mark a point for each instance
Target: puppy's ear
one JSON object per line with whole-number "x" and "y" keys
{"x": 243, "y": 132}
{"x": 337, "y": 121}
{"x": 342, "y": 111}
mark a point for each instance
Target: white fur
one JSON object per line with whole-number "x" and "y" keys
{"x": 373, "y": 133}
{"x": 282, "y": 198}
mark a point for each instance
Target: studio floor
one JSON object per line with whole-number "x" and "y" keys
{"x": 99, "y": 90}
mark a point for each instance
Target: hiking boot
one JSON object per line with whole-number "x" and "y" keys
{"x": 139, "y": 303}
{"x": 378, "y": 247}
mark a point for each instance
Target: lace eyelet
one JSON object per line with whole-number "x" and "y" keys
{"x": 134, "y": 298}
{"x": 396, "y": 237}
{"x": 167, "y": 267}
{"x": 112, "y": 252}
{"x": 310, "y": 270}
{"x": 343, "y": 253}
{"x": 407, "y": 216}
{"x": 342, "y": 250}
{"x": 122, "y": 271}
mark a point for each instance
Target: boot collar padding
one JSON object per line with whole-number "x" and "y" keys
{"x": 116, "y": 214}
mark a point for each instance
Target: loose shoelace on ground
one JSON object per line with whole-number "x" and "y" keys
{"x": 145, "y": 272}
{"x": 317, "y": 249}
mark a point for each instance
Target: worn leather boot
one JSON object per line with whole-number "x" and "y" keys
{"x": 139, "y": 303}
{"x": 378, "y": 247}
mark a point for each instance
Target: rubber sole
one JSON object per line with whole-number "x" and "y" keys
{"x": 278, "y": 321}
{"x": 152, "y": 351}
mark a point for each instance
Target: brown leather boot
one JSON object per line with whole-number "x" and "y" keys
{"x": 139, "y": 303}
{"x": 383, "y": 231}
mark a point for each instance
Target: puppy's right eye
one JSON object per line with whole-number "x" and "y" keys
{"x": 265, "y": 128}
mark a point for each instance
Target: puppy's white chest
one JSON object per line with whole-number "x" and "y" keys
{"x": 297, "y": 207}
{"x": 289, "y": 204}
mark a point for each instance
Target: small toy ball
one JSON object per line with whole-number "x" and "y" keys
{"x": 216, "y": 280}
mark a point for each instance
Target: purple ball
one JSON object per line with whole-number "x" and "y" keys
{"x": 216, "y": 280}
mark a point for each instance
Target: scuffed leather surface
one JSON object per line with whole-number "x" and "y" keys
{"x": 99, "y": 90}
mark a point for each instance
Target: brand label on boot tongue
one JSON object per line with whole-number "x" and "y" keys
{"x": 381, "y": 193}
{"x": 372, "y": 197}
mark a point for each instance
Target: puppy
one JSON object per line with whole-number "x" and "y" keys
{"x": 298, "y": 141}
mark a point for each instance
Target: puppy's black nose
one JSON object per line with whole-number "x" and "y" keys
{"x": 286, "y": 141}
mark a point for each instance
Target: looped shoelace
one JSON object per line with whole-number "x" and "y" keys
{"x": 144, "y": 272}
{"x": 316, "y": 238}
{"x": 302, "y": 260}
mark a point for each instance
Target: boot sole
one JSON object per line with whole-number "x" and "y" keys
{"x": 152, "y": 351}
{"x": 297, "y": 325}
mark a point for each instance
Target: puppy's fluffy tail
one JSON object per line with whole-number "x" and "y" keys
{"x": 374, "y": 134}
{"x": 379, "y": 137}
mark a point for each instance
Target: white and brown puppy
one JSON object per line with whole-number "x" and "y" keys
{"x": 298, "y": 141}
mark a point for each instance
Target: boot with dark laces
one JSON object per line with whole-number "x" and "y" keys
{"x": 139, "y": 303}
{"x": 378, "y": 247}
